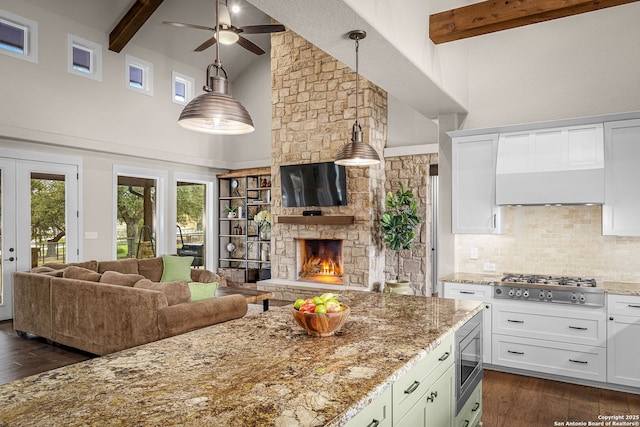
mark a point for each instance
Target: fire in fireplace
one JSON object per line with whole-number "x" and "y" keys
{"x": 319, "y": 260}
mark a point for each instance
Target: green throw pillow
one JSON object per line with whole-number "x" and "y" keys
{"x": 176, "y": 268}
{"x": 201, "y": 291}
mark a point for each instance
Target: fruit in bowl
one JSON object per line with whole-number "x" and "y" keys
{"x": 320, "y": 316}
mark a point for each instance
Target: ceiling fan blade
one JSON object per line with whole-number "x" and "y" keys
{"x": 183, "y": 25}
{"x": 206, "y": 45}
{"x": 261, "y": 29}
{"x": 250, "y": 46}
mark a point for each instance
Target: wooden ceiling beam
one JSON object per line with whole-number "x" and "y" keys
{"x": 491, "y": 16}
{"x": 131, "y": 23}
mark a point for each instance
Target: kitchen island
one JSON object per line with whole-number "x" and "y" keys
{"x": 261, "y": 370}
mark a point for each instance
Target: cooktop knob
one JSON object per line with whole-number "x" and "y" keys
{"x": 582, "y": 298}
{"x": 574, "y": 297}
{"x": 525, "y": 294}
{"x": 518, "y": 293}
{"x": 511, "y": 292}
{"x": 549, "y": 295}
{"x": 498, "y": 291}
{"x": 541, "y": 296}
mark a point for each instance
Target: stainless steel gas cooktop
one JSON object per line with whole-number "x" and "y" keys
{"x": 550, "y": 289}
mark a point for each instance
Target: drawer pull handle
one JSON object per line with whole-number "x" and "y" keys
{"x": 444, "y": 356}
{"x": 374, "y": 423}
{"x": 412, "y": 387}
{"x": 466, "y": 423}
{"x": 583, "y": 362}
{"x": 476, "y": 407}
{"x": 515, "y": 321}
{"x": 521, "y": 353}
{"x": 578, "y": 328}
{"x": 467, "y": 292}
{"x": 634, "y": 305}
{"x": 433, "y": 396}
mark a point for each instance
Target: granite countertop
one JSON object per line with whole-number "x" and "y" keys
{"x": 474, "y": 278}
{"x": 622, "y": 288}
{"x": 260, "y": 370}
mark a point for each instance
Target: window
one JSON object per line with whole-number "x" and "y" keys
{"x": 18, "y": 36}
{"x": 84, "y": 58}
{"x": 182, "y": 89}
{"x": 138, "y": 75}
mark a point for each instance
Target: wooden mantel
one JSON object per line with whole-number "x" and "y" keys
{"x": 491, "y": 16}
{"x": 317, "y": 219}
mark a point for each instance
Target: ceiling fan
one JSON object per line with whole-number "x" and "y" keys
{"x": 230, "y": 34}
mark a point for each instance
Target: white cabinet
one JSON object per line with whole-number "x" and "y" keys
{"x": 621, "y": 208}
{"x": 623, "y": 330}
{"x": 377, "y": 413}
{"x": 551, "y": 338}
{"x": 475, "y": 292}
{"x": 424, "y": 396}
{"x": 474, "y": 208}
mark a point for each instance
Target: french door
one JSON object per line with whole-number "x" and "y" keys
{"x": 38, "y": 219}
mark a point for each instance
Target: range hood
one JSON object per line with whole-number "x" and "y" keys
{"x": 551, "y": 166}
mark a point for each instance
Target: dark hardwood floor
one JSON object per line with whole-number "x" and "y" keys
{"x": 508, "y": 400}
{"x": 514, "y": 400}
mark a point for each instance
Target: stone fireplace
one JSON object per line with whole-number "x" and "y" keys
{"x": 319, "y": 260}
{"x": 313, "y": 105}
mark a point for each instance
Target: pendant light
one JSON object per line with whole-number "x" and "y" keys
{"x": 357, "y": 152}
{"x": 215, "y": 111}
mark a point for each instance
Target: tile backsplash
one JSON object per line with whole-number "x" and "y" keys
{"x": 556, "y": 240}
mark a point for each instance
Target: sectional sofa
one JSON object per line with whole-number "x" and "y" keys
{"x": 107, "y": 306}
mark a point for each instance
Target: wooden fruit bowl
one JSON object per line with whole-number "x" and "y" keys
{"x": 321, "y": 325}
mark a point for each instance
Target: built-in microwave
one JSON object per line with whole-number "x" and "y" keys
{"x": 468, "y": 351}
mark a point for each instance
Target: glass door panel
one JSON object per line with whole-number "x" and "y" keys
{"x": 136, "y": 220}
{"x": 191, "y": 221}
{"x": 48, "y": 219}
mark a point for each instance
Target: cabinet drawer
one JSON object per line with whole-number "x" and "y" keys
{"x": 471, "y": 412}
{"x": 571, "y": 360}
{"x": 468, "y": 291}
{"x": 377, "y": 413}
{"x": 626, "y": 305}
{"x": 577, "y": 325}
{"x": 409, "y": 388}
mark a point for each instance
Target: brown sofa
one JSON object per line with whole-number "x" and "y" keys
{"x": 102, "y": 318}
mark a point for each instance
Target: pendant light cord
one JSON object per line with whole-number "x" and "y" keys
{"x": 357, "y": 80}
{"x": 218, "y": 64}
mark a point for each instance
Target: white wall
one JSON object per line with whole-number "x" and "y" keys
{"x": 43, "y": 102}
{"x": 253, "y": 87}
{"x": 576, "y": 66}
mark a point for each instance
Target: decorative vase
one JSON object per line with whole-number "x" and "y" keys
{"x": 265, "y": 232}
{"x": 402, "y": 287}
{"x": 232, "y": 215}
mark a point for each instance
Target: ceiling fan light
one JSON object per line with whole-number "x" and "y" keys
{"x": 228, "y": 37}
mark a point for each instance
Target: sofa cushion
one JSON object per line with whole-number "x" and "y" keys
{"x": 73, "y": 272}
{"x": 200, "y": 291}
{"x": 126, "y": 266}
{"x": 151, "y": 268}
{"x": 115, "y": 278}
{"x": 176, "y": 268}
{"x": 91, "y": 265}
{"x": 48, "y": 271}
{"x": 175, "y": 292}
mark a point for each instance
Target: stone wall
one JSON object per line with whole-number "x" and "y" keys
{"x": 313, "y": 111}
{"x": 415, "y": 264}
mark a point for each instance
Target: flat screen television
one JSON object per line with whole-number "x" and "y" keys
{"x": 313, "y": 184}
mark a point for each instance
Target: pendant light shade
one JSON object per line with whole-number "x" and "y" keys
{"x": 357, "y": 152}
{"x": 215, "y": 111}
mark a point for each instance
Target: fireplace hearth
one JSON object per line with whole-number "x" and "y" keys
{"x": 319, "y": 260}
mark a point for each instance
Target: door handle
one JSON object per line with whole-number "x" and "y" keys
{"x": 10, "y": 259}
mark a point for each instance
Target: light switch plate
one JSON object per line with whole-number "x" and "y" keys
{"x": 473, "y": 254}
{"x": 89, "y": 235}
{"x": 489, "y": 266}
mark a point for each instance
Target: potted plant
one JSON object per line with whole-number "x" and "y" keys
{"x": 399, "y": 223}
{"x": 231, "y": 211}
